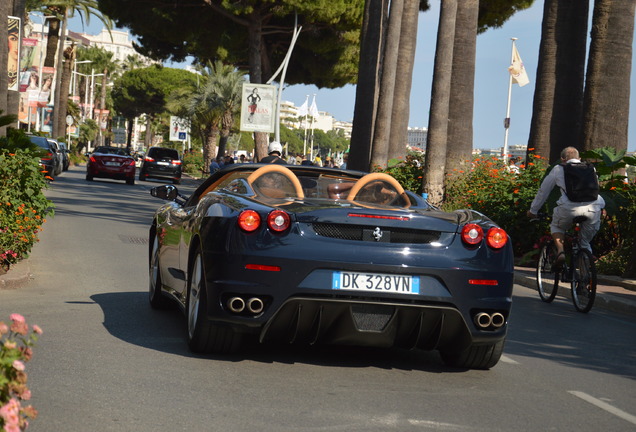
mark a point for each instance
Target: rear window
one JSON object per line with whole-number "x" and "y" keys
{"x": 40, "y": 141}
{"x": 160, "y": 153}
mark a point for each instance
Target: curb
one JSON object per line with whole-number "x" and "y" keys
{"x": 614, "y": 302}
{"x": 18, "y": 275}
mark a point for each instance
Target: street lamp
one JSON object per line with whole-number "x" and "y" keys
{"x": 75, "y": 74}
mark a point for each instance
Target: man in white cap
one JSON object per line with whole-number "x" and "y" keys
{"x": 274, "y": 152}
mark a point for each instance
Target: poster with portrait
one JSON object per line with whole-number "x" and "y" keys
{"x": 258, "y": 107}
{"x": 27, "y": 62}
{"x": 45, "y": 91}
{"x": 13, "y": 61}
{"x": 47, "y": 119}
{"x": 179, "y": 128}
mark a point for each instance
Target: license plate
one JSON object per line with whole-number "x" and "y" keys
{"x": 163, "y": 163}
{"x": 111, "y": 163}
{"x": 376, "y": 282}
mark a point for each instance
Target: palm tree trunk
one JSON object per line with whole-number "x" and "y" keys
{"x": 459, "y": 147}
{"x": 209, "y": 148}
{"x": 558, "y": 95}
{"x": 607, "y": 90}
{"x": 433, "y": 182}
{"x": 255, "y": 47}
{"x": 52, "y": 42}
{"x": 65, "y": 83}
{"x": 13, "y": 97}
{"x": 4, "y": 55}
{"x": 382, "y": 132}
{"x": 402, "y": 93}
{"x": 56, "y": 132}
{"x": 367, "y": 89}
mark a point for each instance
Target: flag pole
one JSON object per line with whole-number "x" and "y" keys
{"x": 305, "y": 139}
{"x": 507, "y": 119}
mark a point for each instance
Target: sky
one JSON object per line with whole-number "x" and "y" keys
{"x": 491, "y": 79}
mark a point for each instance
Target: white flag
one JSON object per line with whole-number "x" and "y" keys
{"x": 517, "y": 70}
{"x": 313, "y": 110}
{"x": 303, "y": 110}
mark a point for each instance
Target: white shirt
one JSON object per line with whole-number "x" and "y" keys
{"x": 557, "y": 178}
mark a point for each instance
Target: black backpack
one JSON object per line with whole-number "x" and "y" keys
{"x": 581, "y": 181}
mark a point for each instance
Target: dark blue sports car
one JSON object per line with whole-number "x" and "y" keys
{"x": 310, "y": 255}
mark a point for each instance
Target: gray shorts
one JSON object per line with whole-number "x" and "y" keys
{"x": 562, "y": 218}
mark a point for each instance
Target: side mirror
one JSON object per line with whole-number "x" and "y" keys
{"x": 165, "y": 192}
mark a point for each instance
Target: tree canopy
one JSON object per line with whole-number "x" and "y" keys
{"x": 326, "y": 53}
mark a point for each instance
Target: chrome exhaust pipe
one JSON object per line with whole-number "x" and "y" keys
{"x": 236, "y": 304}
{"x": 497, "y": 320}
{"x": 483, "y": 320}
{"x": 255, "y": 305}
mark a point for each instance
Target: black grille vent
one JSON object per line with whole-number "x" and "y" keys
{"x": 357, "y": 232}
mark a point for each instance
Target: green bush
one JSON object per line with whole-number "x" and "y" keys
{"x": 193, "y": 163}
{"x": 23, "y": 206}
{"x": 407, "y": 172}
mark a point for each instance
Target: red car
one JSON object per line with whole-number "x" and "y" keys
{"x": 111, "y": 162}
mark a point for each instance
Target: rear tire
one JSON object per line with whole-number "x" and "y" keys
{"x": 203, "y": 335}
{"x": 130, "y": 181}
{"x": 547, "y": 280}
{"x": 475, "y": 357}
{"x": 89, "y": 177}
{"x": 583, "y": 281}
{"x": 142, "y": 177}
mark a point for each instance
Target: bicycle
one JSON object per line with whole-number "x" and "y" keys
{"x": 578, "y": 269}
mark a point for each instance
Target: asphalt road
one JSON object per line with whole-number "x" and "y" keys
{"x": 107, "y": 362}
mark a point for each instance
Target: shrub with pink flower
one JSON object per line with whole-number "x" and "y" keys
{"x": 16, "y": 341}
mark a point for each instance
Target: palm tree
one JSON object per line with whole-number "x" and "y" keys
{"x": 226, "y": 83}
{"x": 607, "y": 89}
{"x": 367, "y": 88}
{"x": 402, "y": 92}
{"x": 382, "y": 131}
{"x": 433, "y": 182}
{"x": 206, "y": 112}
{"x": 60, "y": 11}
{"x": 558, "y": 96}
{"x": 460, "y": 126}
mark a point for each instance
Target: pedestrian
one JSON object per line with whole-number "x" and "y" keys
{"x": 274, "y": 151}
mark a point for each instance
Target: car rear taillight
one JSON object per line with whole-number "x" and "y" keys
{"x": 496, "y": 238}
{"x": 472, "y": 234}
{"x": 278, "y": 220}
{"x": 149, "y": 159}
{"x": 249, "y": 220}
{"x": 49, "y": 156}
{"x": 131, "y": 163}
{"x": 176, "y": 162}
{"x": 92, "y": 159}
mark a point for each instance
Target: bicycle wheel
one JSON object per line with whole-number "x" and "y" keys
{"x": 583, "y": 281}
{"x": 547, "y": 280}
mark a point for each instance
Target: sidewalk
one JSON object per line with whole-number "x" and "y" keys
{"x": 612, "y": 292}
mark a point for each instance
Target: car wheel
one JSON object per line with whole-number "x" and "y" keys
{"x": 176, "y": 181}
{"x": 475, "y": 357}
{"x": 130, "y": 181}
{"x": 157, "y": 299}
{"x": 142, "y": 176}
{"x": 204, "y": 336}
{"x": 89, "y": 177}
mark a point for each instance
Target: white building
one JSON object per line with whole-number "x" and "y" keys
{"x": 119, "y": 44}
{"x": 416, "y": 138}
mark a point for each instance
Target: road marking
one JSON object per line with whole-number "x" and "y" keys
{"x": 603, "y": 405}
{"x": 508, "y": 360}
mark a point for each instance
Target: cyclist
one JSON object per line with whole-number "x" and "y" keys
{"x": 566, "y": 209}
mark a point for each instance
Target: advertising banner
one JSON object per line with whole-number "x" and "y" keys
{"x": 258, "y": 107}
{"x": 13, "y": 58}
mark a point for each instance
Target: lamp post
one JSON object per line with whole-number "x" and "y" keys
{"x": 75, "y": 73}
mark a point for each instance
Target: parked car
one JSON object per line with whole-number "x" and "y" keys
{"x": 111, "y": 162}
{"x": 59, "y": 166}
{"x": 66, "y": 160}
{"x": 161, "y": 163}
{"x": 50, "y": 158}
{"x": 310, "y": 255}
